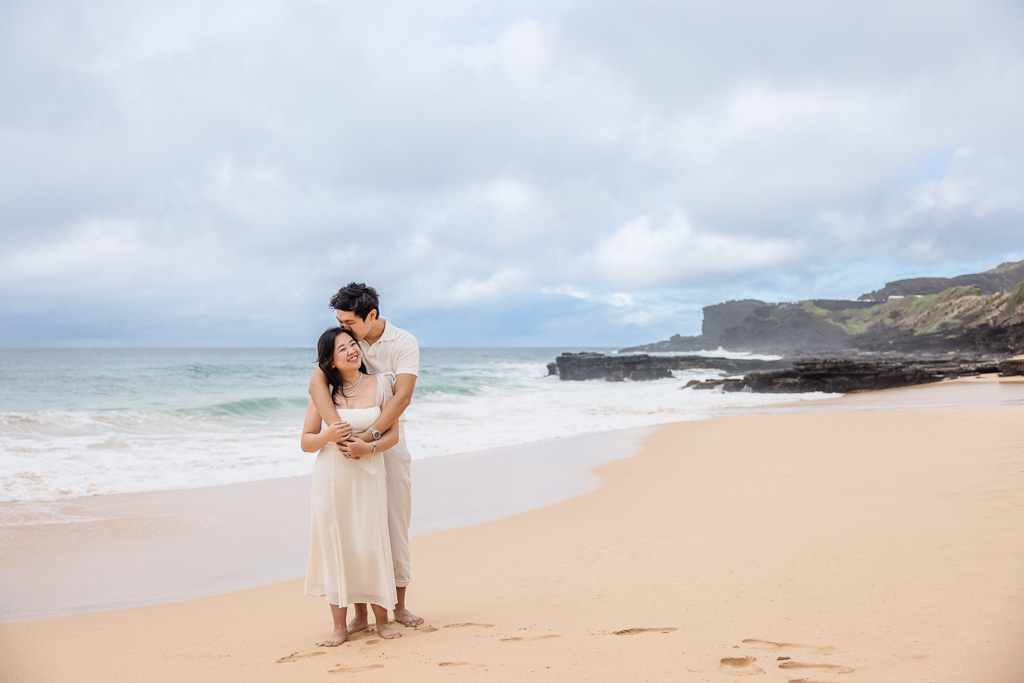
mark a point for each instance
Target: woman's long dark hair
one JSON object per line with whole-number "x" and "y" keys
{"x": 325, "y": 359}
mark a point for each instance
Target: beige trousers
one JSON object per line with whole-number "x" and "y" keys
{"x": 397, "y": 463}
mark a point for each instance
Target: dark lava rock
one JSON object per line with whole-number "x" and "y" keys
{"x": 725, "y": 384}
{"x": 590, "y": 365}
{"x": 983, "y": 339}
{"x": 842, "y": 375}
{"x": 1009, "y": 368}
{"x": 829, "y": 375}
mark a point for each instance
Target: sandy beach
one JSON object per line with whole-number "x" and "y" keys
{"x": 865, "y": 544}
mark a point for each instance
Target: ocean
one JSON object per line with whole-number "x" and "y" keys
{"x": 83, "y": 422}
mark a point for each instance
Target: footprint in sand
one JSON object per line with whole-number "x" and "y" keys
{"x": 355, "y": 669}
{"x": 740, "y": 666}
{"x": 829, "y": 668}
{"x": 635, "y": 631}
{"x": 360, "y": 637}
{"x": 295, "y": 656}
{"x": 517, "y": 639}
{"x": 468, "y": 623}
{"x": 476, "y": 666}
{"x": 407, "y": 632}
{"x": 773, "y": 646}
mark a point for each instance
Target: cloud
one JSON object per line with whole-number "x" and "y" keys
{"x": 622, "y": 310}
{"x": 190, "y": 172}
{"x": 100, "y": 252}
{"x": 472, "y": 290}
{"x": 614, "y": 299}
{"x": 653, "y": 252}
{"x": 930, "y": 220}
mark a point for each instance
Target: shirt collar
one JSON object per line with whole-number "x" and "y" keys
{"x": 388, "y": 334}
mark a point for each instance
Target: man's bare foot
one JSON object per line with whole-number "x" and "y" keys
{"x": 358, "y": 624}
{"x": 404, "y": 616}
{"x": 336, "y": 638}
{"x": 387, "y": 631}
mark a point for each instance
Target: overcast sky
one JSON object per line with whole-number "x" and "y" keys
{"x": 505, "y": 173}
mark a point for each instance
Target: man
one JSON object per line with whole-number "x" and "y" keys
{"x": 385, "y": 348}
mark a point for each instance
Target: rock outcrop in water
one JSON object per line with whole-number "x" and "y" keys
{"x": 829, "y": 375}
{"x": 589, "y": 365}
{"x": 843, "y": 375}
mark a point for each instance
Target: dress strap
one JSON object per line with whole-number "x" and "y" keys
{"x": 385, "y": 388}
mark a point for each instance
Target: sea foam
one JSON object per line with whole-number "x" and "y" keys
{"x": 142, "y": 419}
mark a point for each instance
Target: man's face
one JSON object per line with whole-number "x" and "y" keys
{"x": 355, "y": 325}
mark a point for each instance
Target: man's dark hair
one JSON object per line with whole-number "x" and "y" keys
{"x": 358, "y": 298}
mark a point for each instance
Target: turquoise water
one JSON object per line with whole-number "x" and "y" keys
{"x": 77, "y": 422}
{"x": 226, "y": 382}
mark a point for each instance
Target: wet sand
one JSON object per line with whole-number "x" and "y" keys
{"x": 109, "y": 552}
{"x": 875, "y": 544}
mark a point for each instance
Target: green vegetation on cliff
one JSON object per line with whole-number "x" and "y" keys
{"x": 1016, "y": 298}
{"x": 944, "y": 313}
{"x": 979, "y": 313}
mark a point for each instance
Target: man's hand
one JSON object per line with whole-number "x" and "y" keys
{"x": 355, "y": 448}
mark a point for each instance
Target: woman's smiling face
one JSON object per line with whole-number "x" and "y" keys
{"x": 346, "y": 352}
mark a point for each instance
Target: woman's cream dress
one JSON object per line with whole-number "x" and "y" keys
{"x": 349, "y": 550}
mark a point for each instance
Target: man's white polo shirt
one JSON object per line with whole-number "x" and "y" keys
{"x": 396, "y": 352}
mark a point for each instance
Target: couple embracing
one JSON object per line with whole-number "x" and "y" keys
{"x": 361, "y": 501}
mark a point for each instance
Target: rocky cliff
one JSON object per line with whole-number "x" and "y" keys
{"x": 1001, "y": 279}
{"x": 984, "y": 317}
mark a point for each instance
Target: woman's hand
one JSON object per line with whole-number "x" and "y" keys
{"x": 338, "y": 432}
{"x": 355, "y": 448}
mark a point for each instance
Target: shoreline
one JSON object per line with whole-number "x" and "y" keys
{"x": 877, "y": 545}
{"x": 148, "y": 548}
{"x": 136, "y": 549}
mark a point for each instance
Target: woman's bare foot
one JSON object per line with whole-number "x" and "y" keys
{"x": 340, "y": 634}
{"x": 335, "y": 639}
{"x": 357, "y": 624}
{"x": 404, "y": 616}
{"x": 387, "y": 631}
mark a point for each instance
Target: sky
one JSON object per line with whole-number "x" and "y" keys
{"x": 552, "y": 173}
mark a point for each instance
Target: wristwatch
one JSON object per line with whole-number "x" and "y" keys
{"x": 374, "y": 433}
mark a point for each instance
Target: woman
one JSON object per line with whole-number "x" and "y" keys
{"x": 350, "y": 552}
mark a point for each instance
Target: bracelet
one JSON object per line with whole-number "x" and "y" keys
{"x": 373, "y": 446}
